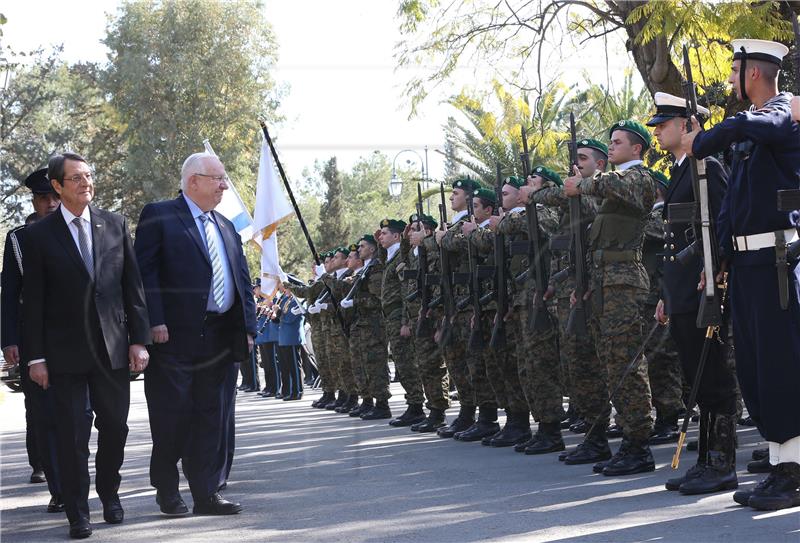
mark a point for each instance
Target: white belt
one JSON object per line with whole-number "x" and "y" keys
{"x": 761, "y": 241}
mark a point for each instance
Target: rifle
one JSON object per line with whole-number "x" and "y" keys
{"x": 698, "y": 213}
{"x": 424, "y": 328}
{"x": 538, "y": 317}
{"x": 498, "y": 338}
{"x": 476, "y": 331}
{"x": 446, "y": 278}
{"x": 576, "y": 323}
{"x": 357, "y": 283}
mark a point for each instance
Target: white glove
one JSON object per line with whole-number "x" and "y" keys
{"x": 298, "y": 310}
{"x": 314, "y": 309}
{"x": 319, "y": 269}
{"x": 347, "y": 304}
{"x": 323, "y": 306}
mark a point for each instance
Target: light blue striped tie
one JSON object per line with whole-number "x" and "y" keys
{"x": 218, "y": 278}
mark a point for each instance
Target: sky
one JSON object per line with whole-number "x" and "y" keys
{"x": 344, "y": 95}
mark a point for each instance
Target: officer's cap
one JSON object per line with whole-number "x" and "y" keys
{"x": 669, "y": 106}
{"x": 38, "y": 182}
{"x": 394, "y": 225}
{"x": 768, "y": 51}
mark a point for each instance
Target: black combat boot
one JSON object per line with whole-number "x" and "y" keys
{"x": 363, "y": 407}
{"x": 432, "y": 422}
{"x": 760, "y": 454}
{"x": 702, "y": 456}
{"x": 547, "y": 439}
{"x": 600, "y": 466}
{"x": 323, "y": 400}
{"x": 465, "y": 419}
{"x": 593, "y": 449}
{"x": 614, "y": 431}
{"x": 581, "y": 426}
{"x": 516, "y": 430}
{"x": 336, "y": 402}
{"x": 413, "y": 415}
{"x": 486, "y": 425}
{"x": 665, "y": 430}
{"x": 760, "y": 466}
{"x": 720, "y": 472}
{"x": 635, "y": 458}
{"x": 784, "y": 492}
{"x": 570, "y": 418}
{"x": 347, "y": 406}
{"x": 380, "y": 411}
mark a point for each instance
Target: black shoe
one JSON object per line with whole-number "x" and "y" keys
{"x": 664, "y": 432}
{"x": 293, "y": 397}
{"x": 432, "y": 422}
{"x": 600, "y": 466}
{"x": 80, "y": 529}
{"x": 637, "y": 459}
{"x": 250, "y": 389}
{"x": 412, "y": 415}
{"x": 784, "y": 492}
{"x": 760, "y": 454}
{"x": 747, "y": 422}
{"x": 593, "y": 449}
{"x": 241, "y": 387}
{"x": 380, "y": 411}
{"x": 614, "y": 431}
{"x": 216, "y": 505}
{"x": 692, "y": 473}
{"x": 278, "y": 396}
{"x": 56, "y": 505}
{"x": 363, "y": 407}
{"x": 716, "y": 477}
{"x": 112, "y": 511}
{"x": 465, "y": 419}
{"x": 570, "y": 418}
{"x": 478, "y": 431}
{"x": 37, "y": 477}
{"x": 349, "y": 405}
{"x": 266, "y": 394}
{"x": 580, "y": 427}
{"x": 760, "y": 466}
{"x": 324, "y": 399}
{"x": 516, "y": 430}
{"x": 223, "y": 486}
{"x": 335, "y": 403}
{"x": 172, "y": 505}
{"x": 547, "y": 440}
{"x": 563, "y": 455}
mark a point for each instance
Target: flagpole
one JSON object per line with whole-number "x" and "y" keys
{"x": 310, "y": 242}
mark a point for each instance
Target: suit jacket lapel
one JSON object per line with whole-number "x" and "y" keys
{"x": 98, "y": 226}
{"x": 191, "y": 226}
{"x": 230, "y": 245}
{"x": 68, "y": 242}
{"x": 677, "y": 179}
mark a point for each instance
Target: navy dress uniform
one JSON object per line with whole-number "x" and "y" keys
{"x": 267, "y": 341}
{"x": 752, "y": 232}
{"x": 716, "y": 464}
{"x": 290, "y": 337}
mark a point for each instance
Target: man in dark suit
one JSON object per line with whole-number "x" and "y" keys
{"x": 40, "y": 435}
{"x": 716, "y": 464}
{"x": 85, "y": 329}
{"x": 290, "y": 337}
{"x": 203, "y": 316}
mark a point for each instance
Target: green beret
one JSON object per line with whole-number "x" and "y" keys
{"x": 326, "y": 254}
{"x": 548, "y": 175}
{"x": 515, "y": 182}
{"x": 395, "y": 225}
{"x": 353, "y": 247}
{"x": 427, "y": 220}
{"x": 662, "y": 179}
{"x": 467, "y": 184}
{"x": 369, "y": 238}
{"x": 487, "y": 195}
{"x": 593, "y": 144}
{"x": 344, "y": 250}
{"x": 634, "y": 127}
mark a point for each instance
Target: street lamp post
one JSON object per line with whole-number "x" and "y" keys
{"x": 396, "y": 183}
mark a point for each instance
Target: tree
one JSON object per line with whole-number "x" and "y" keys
{"x": 542, "y": 34}
{"x": 333, "y": 228}
{"x": 185, "y": 70}
{"x": 452, "y": 168}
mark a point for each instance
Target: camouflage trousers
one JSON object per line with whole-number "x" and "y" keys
{"x": 493, "y": 358}
{"x": 539, "y": 370}
{"x": 404, "y": 360}
{"x": 455, "y": 357}
{"x": 477, "y": 361}
{"x": 578, "y": 360}
{"x": 370, "y": 358}
{"x": 509, "y": 360}
{"x": 322, "y": 354}
{"x": 618, "y": 329}
{"x": 339, "y": 358}
{"x": 432, "y": 371}
{"x": 664, "y": 369}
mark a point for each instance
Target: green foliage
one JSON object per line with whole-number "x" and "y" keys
{"x": 333, "y": 228}
{"x": 185, "y": 70}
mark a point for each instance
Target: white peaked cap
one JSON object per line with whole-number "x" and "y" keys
{"x": 770, "y": 51}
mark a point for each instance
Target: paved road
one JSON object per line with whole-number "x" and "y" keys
{"x": 309, "y": 475}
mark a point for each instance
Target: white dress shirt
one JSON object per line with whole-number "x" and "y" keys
{"x": 392, "y": 250}
{"x": 86, "y": 223}
{"x": 630, "y": 164}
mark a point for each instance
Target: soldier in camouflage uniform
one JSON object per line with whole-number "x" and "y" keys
{"x": 484, "y": 372}
{"x": 663, "y": 364}
{"x": 430, "y": 363}
{"x": 367, "y": 333}
{"x": 453, "y": 247}
{"x": 514, "y": 226}
{"x": 398, "y": 333}
{"x": 541, "y": 368}
{"x": 586, "y": 380}
{"x": 619, "y": 286}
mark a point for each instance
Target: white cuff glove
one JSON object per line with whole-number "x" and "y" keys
{"x": 314, "y": 309}
{"x": 347, "y": 304}
{"x": 323, "y": 306}
{"x": 298, "y": 310}
{"x": 319, "y": 269}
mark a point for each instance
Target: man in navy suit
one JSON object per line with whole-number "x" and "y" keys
{"x": 201, "y": 309}
{"x": 290, "y": 337}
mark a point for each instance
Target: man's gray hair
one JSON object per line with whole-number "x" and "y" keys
{"x": 191, "y": 166}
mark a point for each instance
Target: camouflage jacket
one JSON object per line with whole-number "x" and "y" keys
{"x": 393, "y": 289}
{"x": 411, "y": 258}
{"x": 454, "y": 244}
